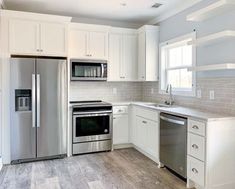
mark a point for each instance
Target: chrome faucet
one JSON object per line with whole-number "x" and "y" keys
{"x": 170, "y": 101}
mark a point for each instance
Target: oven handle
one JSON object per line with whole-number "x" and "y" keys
{"x": 90, "y": 115}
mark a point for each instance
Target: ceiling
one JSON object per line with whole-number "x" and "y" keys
{"x": 135, "y": 11}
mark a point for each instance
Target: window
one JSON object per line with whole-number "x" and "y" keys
{"x": 176, "y": 57}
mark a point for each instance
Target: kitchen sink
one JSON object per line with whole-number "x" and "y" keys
{"x": 161, "y": 105}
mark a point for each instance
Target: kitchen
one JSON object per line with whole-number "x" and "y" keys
{"x": 134, "y": 95}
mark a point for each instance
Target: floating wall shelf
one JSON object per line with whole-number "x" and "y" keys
{"x": 220, "y": 7}
{"x": 213, "y": 38}
{"x": 228, "y": 66}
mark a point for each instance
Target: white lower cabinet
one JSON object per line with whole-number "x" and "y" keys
{"x": 120, "y": 129}
{"x": 120, "y": 125}
{"x": 146, "y": 132}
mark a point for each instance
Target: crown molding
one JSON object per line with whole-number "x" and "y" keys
{"x": 181, "y": 7}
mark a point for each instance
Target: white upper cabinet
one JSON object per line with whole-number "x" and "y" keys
{"x": 78, "y": 43}
{"x": 122, "y": 55}
{"x": 129, "y": 59}
{"x": 37, "y": 38}
{"x": 98, "y": 45}
{"x": 54, "y": 39}
{"x": 88, "y": 41}
{"x": 148, "y": 37}
{"x": 24, "y": 37}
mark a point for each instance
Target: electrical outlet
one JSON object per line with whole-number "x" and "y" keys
{"x": 152, "y": 90}
{"x": 199, "y": 93}
{"x": 114, "y": 90}
{"x": 212, "y": 95}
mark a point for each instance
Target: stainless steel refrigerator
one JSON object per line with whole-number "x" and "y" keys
{"x": 38, "y": 104}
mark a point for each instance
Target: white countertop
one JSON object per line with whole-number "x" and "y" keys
{"x": 179, "y": 110}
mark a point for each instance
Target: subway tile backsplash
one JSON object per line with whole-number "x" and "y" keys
{"x": 125, "y": 91}
{"x": 224, "y": 89}
{"x": 224, "y": 101}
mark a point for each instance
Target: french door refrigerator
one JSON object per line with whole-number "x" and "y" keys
{"x": 38, "y": 104}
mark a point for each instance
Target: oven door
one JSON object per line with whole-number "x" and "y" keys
{"x": 92, "y": 127}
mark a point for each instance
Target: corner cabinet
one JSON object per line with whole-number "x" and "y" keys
{"x": 28, "y": 37}
{"x": 145, "y": 131}
{"x": 148, "y": 38}
{"x": 122, "y": 55}
{"x": 88, "y": 41}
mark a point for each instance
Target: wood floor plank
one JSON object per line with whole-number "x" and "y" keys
{"x": 120, "y": 169}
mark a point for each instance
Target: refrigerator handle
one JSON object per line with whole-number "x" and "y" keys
{"x": 33, "y": 101}
{"x": 38, "y": 100}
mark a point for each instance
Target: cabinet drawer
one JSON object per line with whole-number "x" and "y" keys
{"x": 120, "y": 109}
{"x": 147, "y": 114}
{"x": 196, "y": 171}
{"x": 196, "y": 146}
{"x": 197, "y": 127}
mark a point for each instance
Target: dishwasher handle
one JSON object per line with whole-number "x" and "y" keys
{"x": 172, "y": 120}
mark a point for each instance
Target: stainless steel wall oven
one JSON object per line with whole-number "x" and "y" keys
{"x": 92, "y": 127}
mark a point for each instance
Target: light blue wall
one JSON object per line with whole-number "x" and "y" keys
{"x": 214, "y": 54}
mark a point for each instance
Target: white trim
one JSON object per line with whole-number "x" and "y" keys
{"x": 182, "y": 6}
{"x": 169, "y": 43}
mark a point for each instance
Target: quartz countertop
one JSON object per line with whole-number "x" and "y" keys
{"x": 179, "y": 110}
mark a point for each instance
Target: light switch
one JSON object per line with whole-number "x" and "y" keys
{"x": 199, "y": 93}
{"x": 212, "y": 95}
{"x": 114, "y": 90}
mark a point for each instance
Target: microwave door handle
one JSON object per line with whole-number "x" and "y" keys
{"x": 102, "y": 70}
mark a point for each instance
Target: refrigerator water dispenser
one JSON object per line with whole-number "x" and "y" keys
{"x": 23, "y": 100}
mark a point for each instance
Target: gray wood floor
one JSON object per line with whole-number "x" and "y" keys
{"x": 120, "y": 169}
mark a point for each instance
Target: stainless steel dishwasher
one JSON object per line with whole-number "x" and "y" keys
{"x": 173, "y": 143}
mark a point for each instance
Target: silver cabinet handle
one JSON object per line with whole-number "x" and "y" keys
{"x": 195, "y": 127}
{"x": 38, "y": 100}
{"x": 195, "y": 146}
{"x": 195, "y": 170}
{"x": 145, "y": 122}
{"x": 33, "y": 101}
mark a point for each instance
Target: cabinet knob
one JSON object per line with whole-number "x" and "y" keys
{"x": 145, "y": 122}
{"x": 195, "y": 146}
{"x": 195, "y": 170}
{"x": 195, "y": 127}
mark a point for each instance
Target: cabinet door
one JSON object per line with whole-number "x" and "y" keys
{"x": 141, "y": 133}
{"x": 120, "y": 129}
{"x": 129, "y": 65}
{"x": 141, "y": 56}
{"x": 115, "y": 56}
{"x": 78, "y": 40}
{"x": 98, "y": 45}
{"x": 54, "y": 39}
{"x": 24, "y": 37}
{"x": 152, "y": 146}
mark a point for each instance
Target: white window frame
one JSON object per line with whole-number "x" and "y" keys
{"x": 181, "y": 92}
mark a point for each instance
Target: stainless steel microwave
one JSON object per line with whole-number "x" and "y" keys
{"x": 88, "y": 70}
